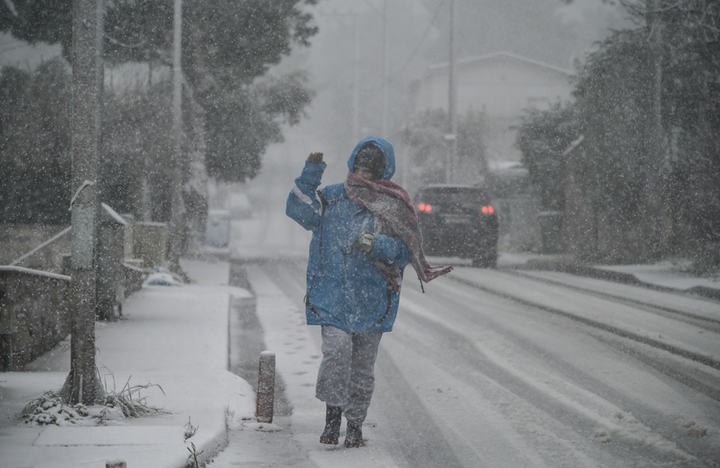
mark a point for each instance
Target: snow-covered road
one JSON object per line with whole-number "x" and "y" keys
{"x": 524, "y": 372}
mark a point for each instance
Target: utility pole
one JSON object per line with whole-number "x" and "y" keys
{"x": 656, "y": 145}
{"x": 385, "y": 72}
{"x": 452, "y": 101}
{"x": 177, "y": 208}
{"x": 144, "y": 178}
{"x": 82, "y": 384}
{"x": 356, "y": 81}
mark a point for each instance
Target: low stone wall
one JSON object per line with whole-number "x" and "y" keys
{"x": 34, "y": 314}
{"x": 150, "y": 242}
{"x": 134, "y": 277}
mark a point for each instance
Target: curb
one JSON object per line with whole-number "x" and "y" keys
{"x": 208, "y": 449}
{"x": 704, "y": 291}
{"x": 609, "y": 275}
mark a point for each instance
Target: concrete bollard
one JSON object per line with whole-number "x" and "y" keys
{"x": 115, "y": 464}
{"x": 266, "y": 387}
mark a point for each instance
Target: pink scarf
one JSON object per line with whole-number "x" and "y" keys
{"x": 394, "y": 216}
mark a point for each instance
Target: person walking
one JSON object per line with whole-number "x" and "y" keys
{"x": 364, "y": 234}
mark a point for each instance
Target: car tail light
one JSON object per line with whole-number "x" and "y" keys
{"x": 424, "y": 207}
{"x": 487, "y": 209}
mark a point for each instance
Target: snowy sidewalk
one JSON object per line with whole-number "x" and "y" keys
{"x": 173, "y": 337}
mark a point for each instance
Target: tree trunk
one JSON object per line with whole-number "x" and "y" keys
{"x": 198, "y": 85}
{"x": 82, "y": 384}
{"x": 656, "y": 147}
{"x": 195, "y": 192}
{"x": 177, "y": 207}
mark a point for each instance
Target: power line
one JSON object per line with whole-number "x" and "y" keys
{"x": 15, "y": 47}
{"x": 422, "y": 39}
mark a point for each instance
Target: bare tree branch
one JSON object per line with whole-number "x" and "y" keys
{"x": 11, "y": 7}
{"x": 118, "y": 43}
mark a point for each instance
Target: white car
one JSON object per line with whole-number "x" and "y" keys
{"x": 238, "y": 204}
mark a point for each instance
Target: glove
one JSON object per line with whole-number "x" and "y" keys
{"x": 315, "y": 158}
{"x": 366, "y": 241}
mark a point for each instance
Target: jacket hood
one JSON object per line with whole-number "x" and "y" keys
{"x": 387, "y": 150}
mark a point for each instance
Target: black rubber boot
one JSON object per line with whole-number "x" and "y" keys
{"x": 333, "y": 418}
{"x": 353, "y": 437}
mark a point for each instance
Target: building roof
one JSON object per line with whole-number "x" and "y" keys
{"x": 502, "y": 55}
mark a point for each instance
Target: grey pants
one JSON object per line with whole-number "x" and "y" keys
{"x": 347, "y": 372}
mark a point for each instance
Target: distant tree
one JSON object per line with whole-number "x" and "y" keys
{"x": 471, "y": 152}
{"x": 227, "y": 45}
{"x": 137, "y": 154}
{"x": 241, "y": 124}
{"x": 227, "y": 48}
{"x": 689, "y": 168}
{"x": 36, "y": 21}
{"x": 691, "y": 117}
{"x": 542, "y": 137}
{"x": 137, "y": 149}
{"x": 425, "y": 134}
{"x": 35, "y": 144}
{"x": 615, "y": 105}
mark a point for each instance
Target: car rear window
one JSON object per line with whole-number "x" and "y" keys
{"x": 453, "y": 196}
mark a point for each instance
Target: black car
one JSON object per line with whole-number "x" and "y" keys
{"x": 458, "y": 221}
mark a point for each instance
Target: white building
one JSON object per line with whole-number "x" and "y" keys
{"x": 501, "y": 84}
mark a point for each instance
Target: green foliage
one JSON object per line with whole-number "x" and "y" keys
{"x": 425, "y": 134}
{"x": 614, "y": 93}
{"x": 36, "y": 21}
{"x": 137, "y": 122}
{"x": 542, "y": 137}
{"x": 243, "y": 122}
{"x": 35, "y": 144}
{"x": 242, "y": 38}
{"x": 691, "y": 115}
{"x": 136, "y": 144}
{"x": 250, "y": 35}
{"x": 470, "y": 143}
{"x": 613, "y": 108}
{"x": 227, "y": 46}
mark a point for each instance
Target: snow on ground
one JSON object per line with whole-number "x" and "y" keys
{"x": 664, "y": 274}
{"x": 173, "y": 337}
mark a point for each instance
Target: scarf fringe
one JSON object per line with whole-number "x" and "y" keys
{"x": 401, "y": 218}
{"x": 432, "y": 272}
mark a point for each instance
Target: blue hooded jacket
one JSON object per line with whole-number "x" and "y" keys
{"x": 344, "y": 287}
